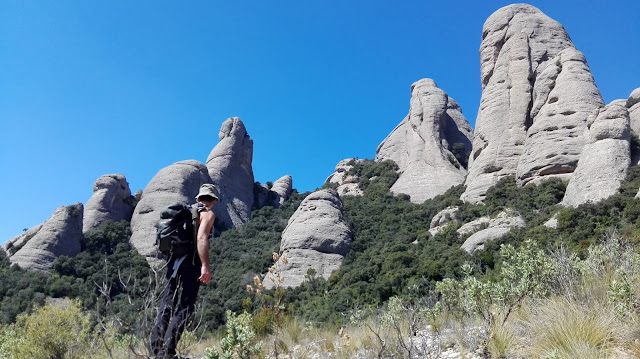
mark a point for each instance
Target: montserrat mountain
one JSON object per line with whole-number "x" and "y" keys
{"x": 541, "y": 116}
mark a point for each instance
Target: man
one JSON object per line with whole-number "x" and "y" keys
{"x": 183, "y": 276}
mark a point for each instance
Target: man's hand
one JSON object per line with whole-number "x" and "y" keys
{"x": 205, "y": 275}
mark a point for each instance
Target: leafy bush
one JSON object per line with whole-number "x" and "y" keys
{"x": 50, "y": 332}
{"x": 240, "y": 341}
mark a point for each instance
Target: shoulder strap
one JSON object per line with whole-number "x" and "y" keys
{"x": 195, "y": 217}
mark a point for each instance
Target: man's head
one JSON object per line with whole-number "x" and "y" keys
{"x": 208, "y": 194}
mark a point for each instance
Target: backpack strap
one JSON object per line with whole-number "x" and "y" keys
{"x": 195, "y": 218}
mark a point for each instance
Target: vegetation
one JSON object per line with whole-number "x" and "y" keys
{"x": 536, "y": 292}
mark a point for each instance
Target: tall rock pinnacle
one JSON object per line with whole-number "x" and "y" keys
{"x": 537, "y": 92}
{"x": 229, "y": 166}
{"x": 430, "y": 145}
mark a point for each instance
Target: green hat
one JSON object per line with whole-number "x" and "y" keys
{"x": 208, "y": 189}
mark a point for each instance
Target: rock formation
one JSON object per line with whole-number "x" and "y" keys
{"x": 533, "y": 95}
{"x": 59, "y": 235}
{"x": 317, "y": 236}
{"x": 497, "y": 227}
{"x": 425, "y": 144}
{"x": 564, "y": 94}
{"x": 348, "y": 185}
{"x": 179, "y": 182}
{"x": 633, "y": 105}
{"x": 276, "y": 195}
{"x": 111, "y": 200}
{"x": 606, "y": 156}
{"x": 229, "y": 166}
{"x": 442, "y": 219}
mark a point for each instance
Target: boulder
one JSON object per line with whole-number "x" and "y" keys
{"x": 605, "y": 159}
{"x": 274, "y": 196}
{"x": 442, "y": 219}
{"x": 178, "y": 182}
{"x": 633, "y": 106}
{"x": 59, "y": 235}
{"x": 348, "y": 185}
{"x": 564, "y": 94}
{"x": 518, "y": 42}
{"x": 497, "y": 227}
{"x": 430, "y": 145}
{"x": 111, "y": 201}
{"x": 230, "y": 169}
{"x": 317, "y": 236}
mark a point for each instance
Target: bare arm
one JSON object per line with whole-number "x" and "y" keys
{"x": 206, "y": 222}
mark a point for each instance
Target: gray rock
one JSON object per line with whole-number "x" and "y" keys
{"x": 179, "y": 182}
{"x": 276, "y": 195}
{"x": 442, "y": 219}
{"x": 502, "y": 224}
{"x": 552, "y": 222}
{"x": 474, "y": 226}
{"x": 348, "y": 185}
{"x": 283, "y": 188}
{"x": 111, "y": 200}
{"x": 423, "y": 144}
{"x": 564, "y": 95}
{"x": 633, "y": 105}
{"x": 605, "y": 159}
{"x": 317, "y": 236}
{"x": 11, "y": 246}
{"x": 59, "y": 235}
{"x": 518, "y": 41}
{"x": 230, "y": 169}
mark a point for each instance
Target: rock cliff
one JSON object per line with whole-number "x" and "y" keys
{"x": 111, "y": 200}
{"x": 317, "y": 236}
{"x": 230, "y": 168}
{"x": 430, "y": 145}
{"x": 536, "y": 94}
{"x": 179, "y": 182}
{"x": 275, "y": 196}
{"x": 59, "y": 235}
{"x": 605, "y": 159}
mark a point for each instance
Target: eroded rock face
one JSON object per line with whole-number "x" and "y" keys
{"x": 564, "y": 95}
{"x": 605, "y": 159}
{"x": 59, "y": 235}
{"x": 178, "y": 182}
{"x": 521, "y": 46}
{"x": 633, "y": 105}
{"x": 348, "y": 185}
{"x": 111, "y": 200}
{"x": 230, "y": 169}
{"x": 497, "y": 227}
{"x": 425, "y": 143}
{"x": 317, "y": 236}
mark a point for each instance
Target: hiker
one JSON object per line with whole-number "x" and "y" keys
{"x": 184, "y": 276}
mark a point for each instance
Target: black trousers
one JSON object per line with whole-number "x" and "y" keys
{"x": 178, "y": 302}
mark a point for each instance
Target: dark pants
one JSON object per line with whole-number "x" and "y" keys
{"x": 178, "y": 302}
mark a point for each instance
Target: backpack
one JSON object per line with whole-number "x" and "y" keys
{"x": 176, "y": 231}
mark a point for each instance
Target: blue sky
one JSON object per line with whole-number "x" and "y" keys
{"x": 90, "y": 88}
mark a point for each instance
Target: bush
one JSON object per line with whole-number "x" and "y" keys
{"x": 239, "y": 343}
{"x": 61, "y": 331}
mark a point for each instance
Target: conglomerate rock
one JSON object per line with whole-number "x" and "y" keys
{"x": 536, "y": 90}
{"x": 60, "y": 235}
{"x": 230, "y": 169}
{"x": 605, "y": 159}
{"x": 111, "y": 200}
{"x": 178, "y": 182}
{"x": 424, "y": 145}
{"x": 317, "y": 237}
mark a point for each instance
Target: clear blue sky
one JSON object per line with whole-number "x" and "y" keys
{"x": 90, "y": 88}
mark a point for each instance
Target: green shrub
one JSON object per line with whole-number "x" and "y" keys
{"x": 240, "y": 341}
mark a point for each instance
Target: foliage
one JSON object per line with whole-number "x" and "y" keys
{"x": 240, "y": 341}
{"x": 49, "y": 332}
